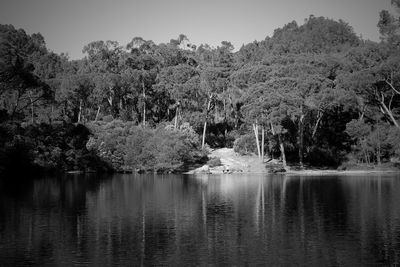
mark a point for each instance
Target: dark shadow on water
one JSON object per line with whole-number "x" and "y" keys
{"x": 184, "y": 220}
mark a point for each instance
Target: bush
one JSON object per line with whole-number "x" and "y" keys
{"x": 245, "y": 145}
{"x": 127, "y": 147}
{"x": 107, "y": 118}
{"x": 373, "y": 142}
{"x": 214, "y": 162}
{"x": 46, "y": 147}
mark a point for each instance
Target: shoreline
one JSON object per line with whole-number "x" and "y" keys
{"x": 310, "y": 172}
{"x": 232, "y": 163}
{"x": 339, "y": 172}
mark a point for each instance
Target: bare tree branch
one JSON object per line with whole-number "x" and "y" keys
{"x": 391, "y": 86}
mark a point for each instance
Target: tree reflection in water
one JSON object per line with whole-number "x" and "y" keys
{"x": 198, "y": 220}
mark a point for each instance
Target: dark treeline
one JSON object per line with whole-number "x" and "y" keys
{"x": 311, "y": 94}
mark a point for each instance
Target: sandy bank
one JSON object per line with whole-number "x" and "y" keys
{"x": 232, "y": 162}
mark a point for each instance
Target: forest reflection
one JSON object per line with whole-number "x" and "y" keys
{"x": 195, "y": 220}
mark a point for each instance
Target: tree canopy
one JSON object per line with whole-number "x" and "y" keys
{"x": 315, "y": 90}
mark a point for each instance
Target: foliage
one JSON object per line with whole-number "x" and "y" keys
{"x": 133, "y": 148}
{"x": 245, "y": 145}
{"x": 214, "y": 162}
{"x": 373, "y": 142}
{"x": 317, "y": 91}
{"x": 46, "y": 147}
{"x": 389, "y": 25}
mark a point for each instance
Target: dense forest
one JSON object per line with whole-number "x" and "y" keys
{"x": 314, "y": 94}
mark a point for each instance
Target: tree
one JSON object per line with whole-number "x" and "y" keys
{"x": 181, "y": 82}
{"x": 389, "y": 26}
{"x": 316, "y": 35}
{"x": 20, "y": 88}
{"x": 75, "y": 91}
{"x": 265, "y": 105}
{"x": 143, "y": 61}
{"x": 372, "y": 74}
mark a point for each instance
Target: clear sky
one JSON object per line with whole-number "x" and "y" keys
{"x": 68, "y": 25}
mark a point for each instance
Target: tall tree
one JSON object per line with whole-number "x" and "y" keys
{"x": 389, "y": 26}
{"x": 143, "y": 61}
{"x": 20, "y": 87}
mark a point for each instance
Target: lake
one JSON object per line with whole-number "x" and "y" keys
{"x": 182, "y": 220}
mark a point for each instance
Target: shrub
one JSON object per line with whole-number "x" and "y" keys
{"x": 373, "y": 142}
{"x": 47, "y": 147}
{"x": 245, "y": 144}
{"x": 107, "y": 118}
{"x": 128, "y": 147}
{"x": 214, "y": 162}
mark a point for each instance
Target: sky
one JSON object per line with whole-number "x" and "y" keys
{"x": 68, "y": 25}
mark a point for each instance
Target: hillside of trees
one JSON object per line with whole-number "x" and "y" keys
{"x": 314, "y": 94}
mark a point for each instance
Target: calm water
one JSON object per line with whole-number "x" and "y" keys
{"x": 181, "y": 220}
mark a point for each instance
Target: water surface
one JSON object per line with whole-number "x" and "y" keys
{"x": 134, "y": 220}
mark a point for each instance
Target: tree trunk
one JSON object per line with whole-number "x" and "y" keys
{"x": 378, "y": 155}
{"x": 272, "y": 129}
{"x": 282, "y": 148}
{"x": 80, "y": 111}
{"x": 255, "y": 128}
{"x": 262, "y": 142}
{"x": 365, "y": 155}
{"x": 225, "y": 123}
{"x": 362, "y": 113}
{"x": 390, "y": 114}
{"x": 365, "y": 150}
{"x": 378, "y": 149}
{"x": 225, "y": 115}
{"x": 97, "y": 113}
{"x": 144, "y": 104}
{"x": 301, "y": 139}
{"x": 319, "y": 118}
{"x": 203, "y": 141}
{"x": 176, "y": 117}
{"x": 110, "y": 101}
{"x": 205, "y": 122}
